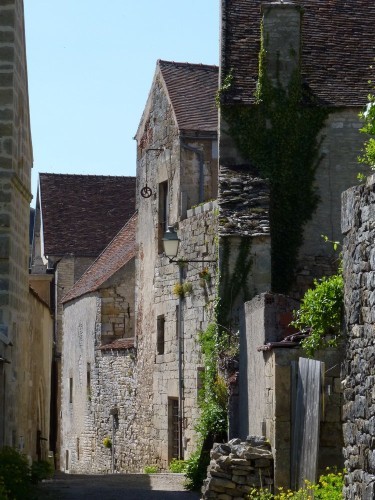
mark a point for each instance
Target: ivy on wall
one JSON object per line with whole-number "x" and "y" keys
{"x": 233, "y": 283}
{"x": 279, "y": 135}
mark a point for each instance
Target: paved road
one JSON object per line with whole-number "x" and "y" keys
{"x": 116, "y": 487}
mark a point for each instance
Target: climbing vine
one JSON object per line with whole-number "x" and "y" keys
{"x": 368, "y": 117}
{"x": 279, "y": 135}
{"x": 235, "y": 282}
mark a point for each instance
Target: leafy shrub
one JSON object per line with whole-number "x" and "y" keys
{"x": 3, "y": 493}
{"x": 321, "y": 311}
{"x": 368, "y": 117}
{"x": 41, "y": 470}
{"x": 177, "y": 465}
{"x": 15, "y": 474}
{"x": 329, "y": 487}
{"x": 151, "y": 469}
{"x": 196, "y": 469}
{"x": 212, "y": 401}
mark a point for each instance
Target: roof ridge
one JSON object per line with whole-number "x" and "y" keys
{"x": 187, "y": 64}
{"x": 89, "y": 175}
{"x": 82, "y": 278}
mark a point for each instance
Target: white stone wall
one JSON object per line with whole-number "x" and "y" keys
{"x": 90, "y": 322}
{"x": 81, "y": 324}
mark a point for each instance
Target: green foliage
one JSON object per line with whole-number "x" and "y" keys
{"x": 177, "y": 466}
{"x": 212, "y": 401}
{"x": 3, "y": 492}
{"x": 182, "y": 289}
{"x": 227, "y": 83}
{"x": 151, "y": 469}
{"x": 14, "y": 474}
{"x": 320, "y": 311}
{"x": 279, "y": 135}
{"x": 329, "y": 487}
{"x": 107, "y": 442}
{"x": 368, "y": 117}
{"x": 41, "y": 470}
{"x": 196, "y": 469}
{"x": 232, "y": 284}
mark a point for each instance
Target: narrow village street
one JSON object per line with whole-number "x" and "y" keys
{"x": 116, "y": 487}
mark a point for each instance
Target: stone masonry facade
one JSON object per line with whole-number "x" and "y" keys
{"x": 15, "y": 171}
{"x": 99, "y": 383}
{"x": 358, "y": 227}
{"x": 180, "y": 166}
{"x": 238, "y": 467}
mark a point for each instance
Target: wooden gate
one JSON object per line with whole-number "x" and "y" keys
{"x": 306, "y": 407}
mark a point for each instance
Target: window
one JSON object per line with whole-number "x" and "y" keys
{"x": 173, "y": 429}
{"x": 88, "y": 381}
{"x": 163, "y": 212}
{"x": 71, "y": 390}
{"x": 160, "y": 334}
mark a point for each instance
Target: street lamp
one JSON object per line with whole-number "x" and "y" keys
{"x": 171, "y": 243}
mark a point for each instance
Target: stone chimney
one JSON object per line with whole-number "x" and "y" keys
{"x": 281, "y": 40}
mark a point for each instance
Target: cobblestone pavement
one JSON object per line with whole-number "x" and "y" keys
{"x": 116, "y": 487}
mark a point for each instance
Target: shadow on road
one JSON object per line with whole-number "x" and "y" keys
{"x": 116, "y": 487}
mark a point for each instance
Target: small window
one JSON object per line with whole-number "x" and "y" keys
{"x": 88, "y": 381}
{"x": 160, "y": 334}
{"x": 71, "y": 390}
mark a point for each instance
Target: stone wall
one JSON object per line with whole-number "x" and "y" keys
{"x": 176, "y": 165}
{"x": 358, "y": 372}
{"x": 97, "y": 383}
{"x": 15, "y": 171}
{"x": 36, "y": 394}
{"x": 238, "y": 467}
{"x": 267, "y": 385}
{"x": 242, "y": 208}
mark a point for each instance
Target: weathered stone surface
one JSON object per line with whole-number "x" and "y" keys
{"x": 358, "y": 369}
{"x": 234, "y": 477}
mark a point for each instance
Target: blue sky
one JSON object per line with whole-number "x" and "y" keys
{"x": 90, "y": 66}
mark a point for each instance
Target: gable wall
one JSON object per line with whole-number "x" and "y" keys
{"x": 155, "y": 276}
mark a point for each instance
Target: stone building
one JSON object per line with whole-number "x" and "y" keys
{"x": 76, "y": 217}
{"x": 177, "y": 161}
{"x": 25, "y": 345}
{"x": 358, "y": 369}
{"x": 98, "y": 358}
{"x": 327, "y": 44}
{"x": 321, "y": 59}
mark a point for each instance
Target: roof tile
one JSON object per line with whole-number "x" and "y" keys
{"x": 120, "y": 251}
{"x": 192, "y": 89}
{"x": 338, "y": 46}
{"x": 82, "y": 213}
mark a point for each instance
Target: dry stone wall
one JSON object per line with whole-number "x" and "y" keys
{"x": 238, "y": 467}
{"x": 358, "y": 226}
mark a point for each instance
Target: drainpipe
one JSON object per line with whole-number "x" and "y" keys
{"x": 199, "y": 153}
{"x": 180, "y": 372}
{"x": 113, "y": 444}
{"x": 114, "y": 413}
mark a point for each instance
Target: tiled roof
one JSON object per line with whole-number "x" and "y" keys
{"x": 118, "y": 344}
{"x": 338, "y": 47}
{"x": 192, "y": 89}
{"x": 82, "y": 213}
{"x": 120, "y": 251}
